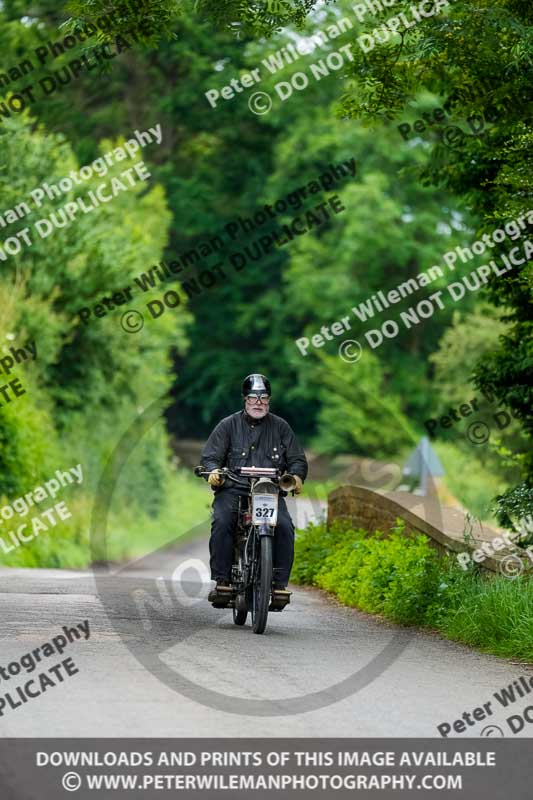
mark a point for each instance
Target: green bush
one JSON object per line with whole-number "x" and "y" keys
{"x": 402, "y": 578}
{"x": 311, "y": 548}
{"x": 394, "y": 576}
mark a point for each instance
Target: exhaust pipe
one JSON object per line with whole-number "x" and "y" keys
{"x": 287, "y": 482}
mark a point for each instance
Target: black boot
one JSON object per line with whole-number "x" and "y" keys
{"x": 280, "y": 597}
{"x": 221, "y": 594}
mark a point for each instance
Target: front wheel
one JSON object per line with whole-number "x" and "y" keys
{"x": 261, "y": 587}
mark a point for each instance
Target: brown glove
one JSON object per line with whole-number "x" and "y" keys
{"x": 299, "y": 484}
{"x": 215, "y": 478}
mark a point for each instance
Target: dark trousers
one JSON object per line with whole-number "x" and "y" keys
{"x": 225, "y": 510}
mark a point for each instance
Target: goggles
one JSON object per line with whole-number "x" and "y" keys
{"x": 254, "y": 397}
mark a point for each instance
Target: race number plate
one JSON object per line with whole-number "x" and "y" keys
{"x": 265, "y": 509}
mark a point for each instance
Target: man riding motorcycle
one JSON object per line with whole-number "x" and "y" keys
{"x": 252, "y": 437}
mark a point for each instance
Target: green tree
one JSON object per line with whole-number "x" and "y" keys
{"x": 89, "y": 378}
{"x": 478, "y": 55}
{"x": 357, "y": 414}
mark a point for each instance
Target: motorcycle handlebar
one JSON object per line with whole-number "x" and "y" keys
{"x": 286, "y": 482}
{"x": 200, "y": 472}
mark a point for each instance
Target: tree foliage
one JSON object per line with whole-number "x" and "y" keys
{"x": 89, "y": 379}
{"x": 479, "y": 56}
{"x": 410, "y": 202}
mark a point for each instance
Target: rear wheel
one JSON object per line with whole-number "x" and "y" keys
{"x": 262, "y": 584}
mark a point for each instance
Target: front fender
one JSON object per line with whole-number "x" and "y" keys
{"x": 265, "y": 530}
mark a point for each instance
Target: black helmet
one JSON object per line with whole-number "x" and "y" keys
{"x": 255, "y": 383}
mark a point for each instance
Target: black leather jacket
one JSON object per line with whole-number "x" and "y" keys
{"x": 240, "y": 441}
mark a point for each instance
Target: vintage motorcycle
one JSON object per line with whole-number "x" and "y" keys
{"x": 251, "y": 572}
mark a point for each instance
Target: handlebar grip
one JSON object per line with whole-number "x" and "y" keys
{"x": 198, "y": 470}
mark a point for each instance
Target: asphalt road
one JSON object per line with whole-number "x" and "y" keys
{"x": 160, "y": 661}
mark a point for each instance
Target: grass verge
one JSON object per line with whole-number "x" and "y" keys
{"x": 402, "y": 578}
{"x": 132, "y": 531}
